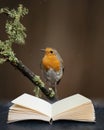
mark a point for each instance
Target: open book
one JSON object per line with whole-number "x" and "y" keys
{"x": 28, "y": 107}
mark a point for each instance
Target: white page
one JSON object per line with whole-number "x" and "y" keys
{"x": 68, "y": 103}
{"x": 34, "y": 103}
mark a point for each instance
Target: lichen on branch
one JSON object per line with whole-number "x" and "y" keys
{"x": 14, "y": 28}
{"x": 15, "y": 32}
{"x": 16, "y": 35}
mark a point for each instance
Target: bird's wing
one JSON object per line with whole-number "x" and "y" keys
{"x": 59, "y": 57}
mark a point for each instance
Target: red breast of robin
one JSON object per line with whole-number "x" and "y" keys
{"x": 52, "y": 67}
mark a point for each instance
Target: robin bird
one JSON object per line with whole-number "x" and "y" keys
{"x": 52, "y": 67}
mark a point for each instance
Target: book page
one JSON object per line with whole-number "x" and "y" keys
{"x": 18, "y": 113}
{"x": 68, "y": 104}
{"x": 34, "y": 103}
{"x": 83, "y": 112}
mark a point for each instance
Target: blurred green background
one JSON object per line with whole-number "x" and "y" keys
{"x": 76, "y": 29}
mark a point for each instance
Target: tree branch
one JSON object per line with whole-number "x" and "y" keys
{"x": 16, "y": 34}
{"x": 35, "y": 79}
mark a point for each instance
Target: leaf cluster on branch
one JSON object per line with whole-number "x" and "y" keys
{"x": 16, "y": 35}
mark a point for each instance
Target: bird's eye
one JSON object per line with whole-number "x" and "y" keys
{"x": 51, "y": 52}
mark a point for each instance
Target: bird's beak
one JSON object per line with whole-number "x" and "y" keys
{"x": 43, "y": 50}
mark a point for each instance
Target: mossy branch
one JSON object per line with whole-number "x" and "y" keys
{"x": 16, "y": 35}
{"x": 35, "y": 79}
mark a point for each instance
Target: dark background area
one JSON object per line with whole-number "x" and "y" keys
{"x": 76, "y": 29}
